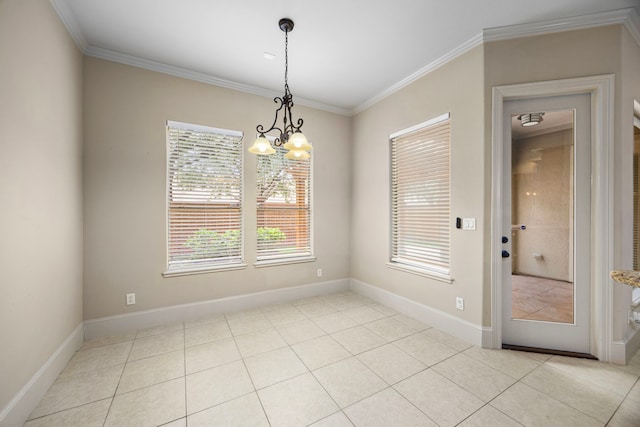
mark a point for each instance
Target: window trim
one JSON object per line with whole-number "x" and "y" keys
{"x": 210, "y": 268}
{"x": 425, "y": 270}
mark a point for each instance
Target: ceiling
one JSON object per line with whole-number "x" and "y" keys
{"x": 342, "y": 53}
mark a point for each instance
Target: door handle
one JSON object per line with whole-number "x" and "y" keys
{"x": 505, "y": 239}
{"x": 505, "y": 254}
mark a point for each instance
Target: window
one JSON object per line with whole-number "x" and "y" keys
{"x": 283, "y": 208}
{"x": 420, "y": 200}
{"x": 204, "y": 195}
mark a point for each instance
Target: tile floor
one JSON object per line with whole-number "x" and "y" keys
{"x": 535, "y": 298}
{"x": 334, "y": 360}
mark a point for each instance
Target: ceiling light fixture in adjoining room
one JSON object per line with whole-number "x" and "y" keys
{"x": 530, "y": 119}
{"x": 290, "y": 134}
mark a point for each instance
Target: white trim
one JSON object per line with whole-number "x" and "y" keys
{"x": 70, "y": 22}
{"x": 205, "y": 129}
{"x": 173, "y": 70}
{"x": 203, "y": 270}
{"x": 271, "y": 262}
{"x": 424, "y": 272}
{"x": 623, "y": 351}
{"x": 621, "y": 16}
{"x": 601, "y": 89}
{"x": 459, "y": 328}
{"x": 632, "y": 24}
{"x": 27, "y": 399}
{"x": 122, "y": 323}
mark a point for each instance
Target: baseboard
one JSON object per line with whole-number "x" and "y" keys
{"x": 20, "y": 407}
{"x": 459, "y": 328}
{"x": 120, "y": 324}
{"x": 623, "y": 351}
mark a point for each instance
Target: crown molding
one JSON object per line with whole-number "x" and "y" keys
{"x": 632, "y": 23}
{"x": 451, "y": 55}
{"x": 70, "y": 22}
{"x": 628, "y": 17}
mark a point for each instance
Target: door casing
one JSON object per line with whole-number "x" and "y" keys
{"x": 601, "y": 89}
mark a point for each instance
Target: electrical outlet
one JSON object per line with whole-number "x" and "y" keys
{"x": 319, "y": 272}
{"x": 131, "y": 299}
{"x": 460, "y": 303}
{"x": 468, "y": 223}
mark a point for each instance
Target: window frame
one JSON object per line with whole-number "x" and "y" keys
{"x": 202, "y": 268}
{"x": 397, "y": 262}
{"x": 280, "y": 259}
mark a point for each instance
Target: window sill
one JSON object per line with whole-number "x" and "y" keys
{"x": 203, "y": 270}
{"x": 441, "y": 277}
{"x": 283, "y": 261}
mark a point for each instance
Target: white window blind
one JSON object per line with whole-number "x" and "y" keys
{"x": 204, "y": 185}
{"x": 283, "y": 207}
{"x": 420, "y": 199}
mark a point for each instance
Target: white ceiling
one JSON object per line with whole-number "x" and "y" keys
{"x": 342, "y": 53}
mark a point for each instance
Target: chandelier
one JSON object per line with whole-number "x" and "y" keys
{"x": 290, "y": 134}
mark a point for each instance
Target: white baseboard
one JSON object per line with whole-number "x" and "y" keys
{"x": 466, "y": 331}
{"x": 623, "y": 351}
{"x": 120, "y": 324}
{"x": 20, "y": 407}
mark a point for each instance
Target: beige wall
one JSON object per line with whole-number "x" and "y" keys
{"x": 457, "y": 88}
{"x": 542, "y": 198}
{"x": 40, "y": 189}
{"x": 125, "y": 111}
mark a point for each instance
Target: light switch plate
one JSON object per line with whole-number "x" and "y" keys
{"x": 468, "y": 223}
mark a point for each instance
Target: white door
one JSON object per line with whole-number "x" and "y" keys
{"x": 546, "y": 232}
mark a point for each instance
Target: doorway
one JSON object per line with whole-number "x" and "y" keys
{"x": 598, "y": 327}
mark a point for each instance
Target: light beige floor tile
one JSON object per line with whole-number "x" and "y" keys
{"x": 274, "y": 366}
{"x": 601, "y": 374}
{"x": 489, "y": 416}
{"x": 443, "y": 401}
{"x": 320, "y": 352}
{"x": 313, "y": 299}
{"x": 449, "y": 340}
{"x": 255, "y": 313}
{"x": 152, "y": 370}
{"x": 284, "y": 314}
{"x": 157, "y": 344}
{"x": 317, "y": 309}
{"x": 334, "y": 322}
{"x": 152, "y": 406}
{"x": 299, "y": 401}
{"x": 208, "y": 332}
{"x": 425, "y": 349}
{"x": 358, "y": 339}
{"x": 349, "y": 301}
{"x": 115, "y": 339}
{"x": 512, "y": 363}
{"x": 481, "y": 380}
{"x": 245, "y": 411}
{"x": 89, "y": 415}
{"x": 70, "y": 391}
{"x": 348, "y": 381}
{"x": 87, "y": 361}
{"x": 210, "y": 355}
{"x": 363, "y": 314}
{"x": 339, "y": 419}
{"x": 633, "y": 365}
{"x": 387, "y": 408}
{"x": 582, "y": 395}
{"x": 259, "y": 342}
{"x": 217, "y": 385}
{"x": 383, "y": 309}
{"x": 162, "y": 329}
{"x": 390, "y": 329}
{"x": 247, "y": 321}
{"x": 533, "y": 408}
{"x": 390, "y": 363}
{"x": 410, "y": 321}
{"x": 627, "y": 415}
{"x": 300, "y": 331}
{"x": 181, "y": 422}
{"x": 211, "y": 318}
